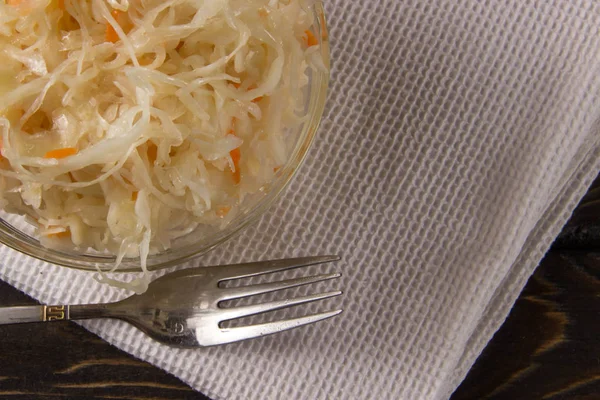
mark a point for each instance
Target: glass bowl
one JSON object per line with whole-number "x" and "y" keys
{"x": 19, "y": 235}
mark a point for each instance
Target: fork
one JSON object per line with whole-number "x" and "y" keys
{"x": 184, "y": 309}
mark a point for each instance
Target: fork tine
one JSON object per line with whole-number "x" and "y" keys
{"x": 266, "y": 267}
{"x": 244, "y": 311}
{"x": 244, "y": 291}
{"x": 253, "y": 331}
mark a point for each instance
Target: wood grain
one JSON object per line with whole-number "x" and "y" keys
{"x": 549, "y": 347}
{"x": 63, "y": 360}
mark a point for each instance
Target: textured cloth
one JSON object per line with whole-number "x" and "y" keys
{"x": 458, "y": 137}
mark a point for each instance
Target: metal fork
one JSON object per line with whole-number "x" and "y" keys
{"x": 184, "y": 308}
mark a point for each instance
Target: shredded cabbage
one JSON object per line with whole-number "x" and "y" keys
{"x": 128, "y": 123}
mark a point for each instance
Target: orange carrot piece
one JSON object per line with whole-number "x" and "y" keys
{"x": 134, "y": 196}
{"x": 61, "y": 4}
{"x": 310, "y": 39}
{"x": 61, "y": 153}
{"x": 111, "y": 33}
{"x": 236, "y": 155}
{"x": 223, "y": 211}
{"x": 60, "y": 235}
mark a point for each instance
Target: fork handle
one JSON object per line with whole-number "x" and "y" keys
{"x": 24, "y": 314}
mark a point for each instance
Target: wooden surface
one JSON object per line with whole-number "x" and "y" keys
{"x": 549, "y": 347}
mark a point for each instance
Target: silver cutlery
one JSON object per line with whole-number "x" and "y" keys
{"x": 184, "y": 308}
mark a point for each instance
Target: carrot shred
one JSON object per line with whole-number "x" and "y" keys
{"x": 123, "y": 21}
{"x": 134, "y": 196}
{"x": 61, "y": 4}
{"x": 60, "y": 235}
{"x": 111, "y": 34}
{"x": 223, "y": 211}
{"x": 310, "y": 39}
{"x": 276, "y": 169}
{"x": 61, "y": 153}
{"x": 236, "y": 155}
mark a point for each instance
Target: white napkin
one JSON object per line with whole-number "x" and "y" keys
{"x": 459, "y": 135}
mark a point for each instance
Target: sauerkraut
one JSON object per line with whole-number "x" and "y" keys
{"x": 128, "y": 123}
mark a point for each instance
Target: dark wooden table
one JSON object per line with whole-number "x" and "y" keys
{"x": 549, "y": 347}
